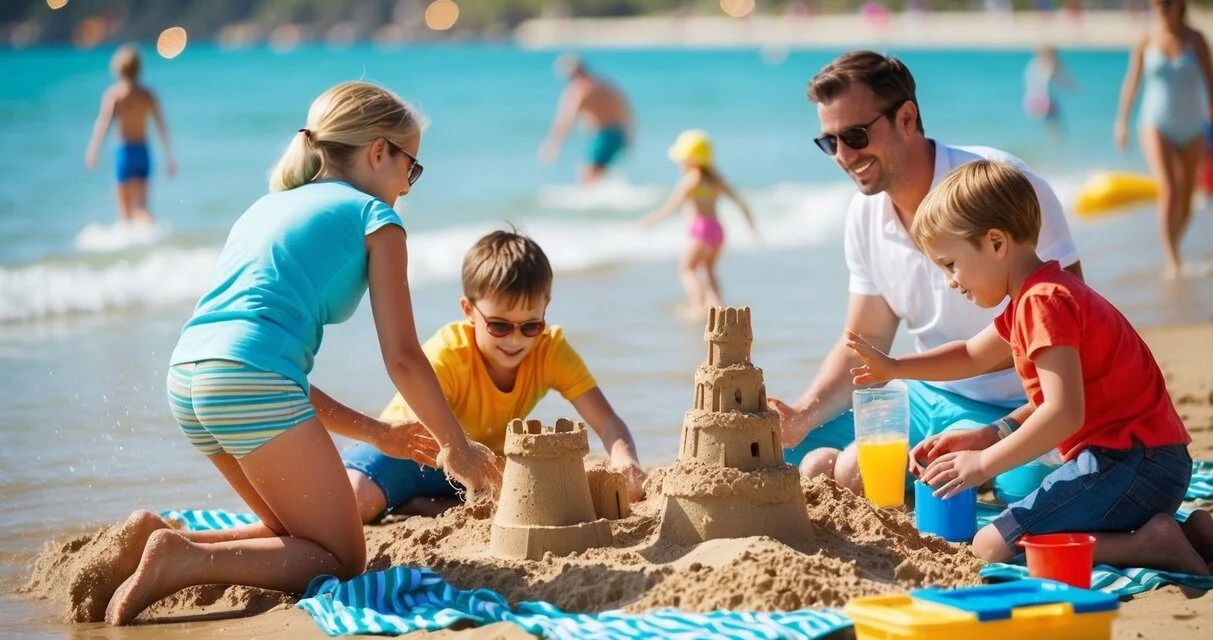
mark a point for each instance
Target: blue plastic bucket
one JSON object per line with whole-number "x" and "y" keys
{"x": 1018, "y": 483}
{"x": 954, "y": 519}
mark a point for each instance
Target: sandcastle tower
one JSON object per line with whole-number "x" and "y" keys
{"x": 730, "y": 480}
{"x": 546, "y": 502}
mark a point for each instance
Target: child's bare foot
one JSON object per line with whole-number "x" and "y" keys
{"x": 1163, "y": 545}
{"x": 91, "y": 588}
{"x": 1199, "y": 531}
{"x": 155, "y": 578}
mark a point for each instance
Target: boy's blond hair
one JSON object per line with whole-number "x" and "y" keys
{"x": 509, "y": 265}
{"x": 342, "y": 119}
{"x": 975, "y": 198}
{"x": 126, "y": 62}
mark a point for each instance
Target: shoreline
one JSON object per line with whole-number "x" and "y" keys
{"x": 1115, "y": 30}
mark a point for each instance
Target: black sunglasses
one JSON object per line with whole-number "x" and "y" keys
{"x": 854, "y": 137}
{"x": 499, "y": 328}
{"x": 415, "y": 169}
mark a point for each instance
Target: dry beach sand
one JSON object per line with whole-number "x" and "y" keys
{"x": 853, "y": 549}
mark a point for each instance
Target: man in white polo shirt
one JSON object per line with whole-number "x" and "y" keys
{"x": 871, "y": 126}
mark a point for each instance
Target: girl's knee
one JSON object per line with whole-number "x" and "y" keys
{"x": 989, "y": 545}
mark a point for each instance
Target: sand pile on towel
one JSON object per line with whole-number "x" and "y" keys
{"x": 854, "y": 549}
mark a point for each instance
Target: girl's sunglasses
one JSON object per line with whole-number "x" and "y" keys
{"x": 854, "y": 137}
{"x": 415, "y": 169}
{"x": 502, "y": 328}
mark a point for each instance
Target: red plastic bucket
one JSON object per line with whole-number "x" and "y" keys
{"x": 1064, "y": 557}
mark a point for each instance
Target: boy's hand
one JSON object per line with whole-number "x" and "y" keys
{"x": 473, "y": 465}
{"x": 877, "y": 365}
{"x": 90, "y": 159}
{"x": 409, "y": 441}
{"x": 635, "y": 477}
{"x": 954, "y": 472}
{"x": 791, "y": 433}
{"x": 947, "y": 442}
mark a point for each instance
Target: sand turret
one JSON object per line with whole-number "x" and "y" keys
{"x": 546, "y": 504}
{"x": 730, "y": 480}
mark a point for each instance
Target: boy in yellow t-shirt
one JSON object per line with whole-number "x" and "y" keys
{"x": 493, "y": 366}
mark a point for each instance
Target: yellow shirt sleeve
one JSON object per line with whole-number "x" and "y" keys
{"x": 563, "y": 368}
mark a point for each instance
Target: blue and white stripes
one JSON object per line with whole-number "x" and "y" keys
{"x": 402, "y": 600}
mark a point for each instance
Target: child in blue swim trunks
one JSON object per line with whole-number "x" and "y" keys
{"x": 1098, "y": 397}
{"x": 300, "y": 258}
{"x": 494, "y": 365}
{"x": 700, "y": 188}
{"x": 132, "y": 105}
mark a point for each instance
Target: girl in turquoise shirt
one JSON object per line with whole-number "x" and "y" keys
{"x": 298, "y": 259}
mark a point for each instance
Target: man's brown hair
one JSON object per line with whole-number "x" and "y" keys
{"x": 886, "y": 76}
{"x": 126, "y": 62}
{"x": 510, "y": 265}
{"x": 975, "y": 198}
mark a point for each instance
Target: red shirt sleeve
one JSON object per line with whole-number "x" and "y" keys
{"x": 1048, "y": 319}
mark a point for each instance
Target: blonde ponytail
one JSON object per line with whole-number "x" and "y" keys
{"x": 342, "y": 119}
{"x": 299, "y": 164}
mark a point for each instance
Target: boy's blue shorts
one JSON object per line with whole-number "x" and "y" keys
{"x": 133, "y": 162}
{"x": 1102, "y": 490}
{"x": 400, "y": 480}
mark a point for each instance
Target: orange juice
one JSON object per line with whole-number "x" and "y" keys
{"x": 882, "y": 465}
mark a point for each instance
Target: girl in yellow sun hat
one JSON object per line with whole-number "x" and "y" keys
{"x": 700, "y": 187}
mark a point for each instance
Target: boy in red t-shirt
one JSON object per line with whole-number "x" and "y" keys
{"x": 1097, "y": 394}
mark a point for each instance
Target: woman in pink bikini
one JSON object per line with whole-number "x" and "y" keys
{"x": 701, "y": 186}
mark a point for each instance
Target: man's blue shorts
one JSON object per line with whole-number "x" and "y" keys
{"x": 606, "y": 144}
{"x": 932, "y": 410}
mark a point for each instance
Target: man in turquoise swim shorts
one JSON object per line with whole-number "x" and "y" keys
{"x": 871, "y": 127}
{"x": 604, "y": 110}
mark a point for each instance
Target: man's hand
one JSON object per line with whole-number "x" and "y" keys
{"x": 548, "y": 152}
{"x": 950, "y": 441}
{"x": 877, "y": 365}
{"x": 954, "y": 472}
{"x": 793, "y": 430}
{"x": 410, "y": 441}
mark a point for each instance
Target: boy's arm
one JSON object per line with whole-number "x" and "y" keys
{"x": 952, "y": 361}
{"x": 162, "y": 129}
{"x": 104, "y": 116}
{"x": 1060, "y": 416}
{"x": 616, "y": 438}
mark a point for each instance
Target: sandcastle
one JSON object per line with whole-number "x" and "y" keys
{"x": 548, "y": 503}
{"x": 730, "y": 480}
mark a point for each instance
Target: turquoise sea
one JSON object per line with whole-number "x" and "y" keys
{"x": 89, "y": 313}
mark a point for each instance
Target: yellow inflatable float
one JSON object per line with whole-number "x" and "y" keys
{"x": 1111, "y": 190}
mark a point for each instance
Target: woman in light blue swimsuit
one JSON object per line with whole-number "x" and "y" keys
{"x": 1172, "y": 64}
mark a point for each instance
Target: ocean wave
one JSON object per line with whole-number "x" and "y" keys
{"x": 100, "y": 281}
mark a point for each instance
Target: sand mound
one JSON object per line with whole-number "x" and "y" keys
{"x": 853, "y": 550}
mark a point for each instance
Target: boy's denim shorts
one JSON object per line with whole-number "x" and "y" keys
{"x": 400, "y": 480}
{"x": 1110, "y": 490}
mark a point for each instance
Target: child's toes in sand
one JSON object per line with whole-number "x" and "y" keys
{"x": 159, "y": 575}
{"x": 121, "y": 547}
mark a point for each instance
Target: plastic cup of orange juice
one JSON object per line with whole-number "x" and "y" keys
{"x": 882, "y": 435}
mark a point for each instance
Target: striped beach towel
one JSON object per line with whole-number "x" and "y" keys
{"x": 1120, "y": 582}
{"x": 402, "y": 600}
{"x": 208, "y": 519}
{"x": 1201, "y": 486}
